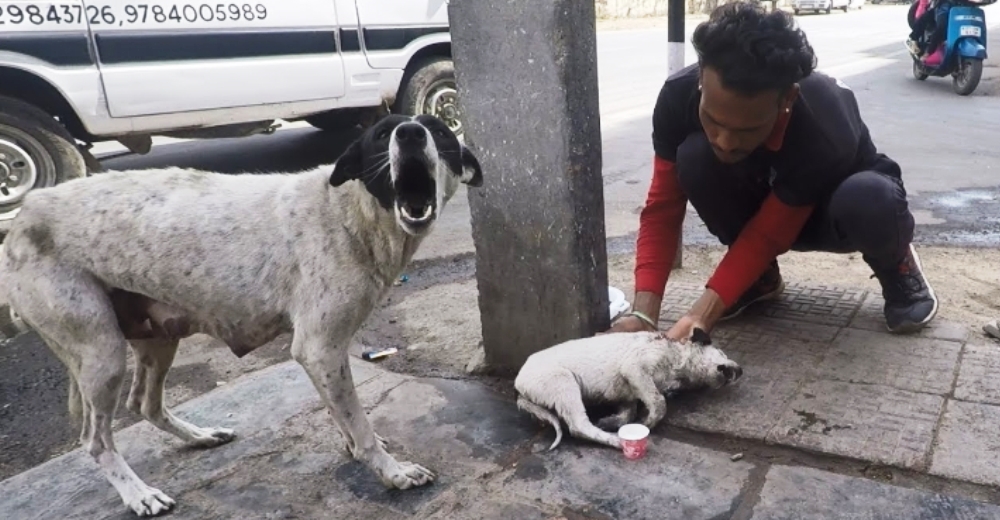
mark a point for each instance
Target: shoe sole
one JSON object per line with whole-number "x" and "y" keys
{"x": 771, "y": 296}
{"x": 911, "y": 327}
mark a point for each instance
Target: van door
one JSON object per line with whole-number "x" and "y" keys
{"x": 390, "y": 27}
{"x": 163, "y": 57}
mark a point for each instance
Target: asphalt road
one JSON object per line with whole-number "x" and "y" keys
{"x": 946, "y": 144}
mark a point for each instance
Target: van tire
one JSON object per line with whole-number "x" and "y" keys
{"x": 428, "y": 78}
{"x": 29, "y": 134}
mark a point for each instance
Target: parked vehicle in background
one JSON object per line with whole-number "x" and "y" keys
{"x": 825, "y": 6}
{"x": 77, "y": 72}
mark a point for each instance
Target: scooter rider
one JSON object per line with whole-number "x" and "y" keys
{"x": 930, "y": 13}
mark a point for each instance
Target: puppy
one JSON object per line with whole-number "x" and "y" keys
{"x": 621, "y": 369}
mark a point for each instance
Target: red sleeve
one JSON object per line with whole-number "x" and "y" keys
{"x": 771, "y": 232}
{"x": 659, "y": 229}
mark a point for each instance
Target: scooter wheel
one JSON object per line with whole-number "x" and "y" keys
{"x": 967, "y": 76}
{"x": 918, "y": 71}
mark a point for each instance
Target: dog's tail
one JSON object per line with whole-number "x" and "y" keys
{"x": 542, "y": 415}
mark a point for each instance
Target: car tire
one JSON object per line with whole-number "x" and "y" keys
{"x": 35, "y": 152}
{"x": 429, "y": 88}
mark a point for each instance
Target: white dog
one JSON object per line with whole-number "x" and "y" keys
{"x": 621, "y": 369}
{"x": 149, "y": 257}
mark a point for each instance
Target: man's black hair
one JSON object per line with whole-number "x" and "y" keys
{"x": 753, "y": 50}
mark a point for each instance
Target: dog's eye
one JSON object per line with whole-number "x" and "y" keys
{"x": 440, "y": 133}
{"x": 382, "y": 135}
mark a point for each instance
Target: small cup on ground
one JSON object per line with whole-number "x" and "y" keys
{"x": 634, "y": 438}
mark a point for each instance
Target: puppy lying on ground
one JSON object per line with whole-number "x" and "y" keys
{"x": 621, "y": 369}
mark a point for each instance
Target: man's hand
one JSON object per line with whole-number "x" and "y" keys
{"x": 703, "y": 315}
{"x": 645, "y": 302}
{"x": 629, "y": 324}
{"x": 684, "y": 327}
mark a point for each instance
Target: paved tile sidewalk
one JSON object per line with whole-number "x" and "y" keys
{"x": 287, "y": 462}
{"x": 823, "y": 375}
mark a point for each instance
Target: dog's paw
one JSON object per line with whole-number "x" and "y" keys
{"x": 212, "y": 437}
{"x": 408, "y": 475}
{"x": 381, "y": 442}
{"x": 150, "y": 502}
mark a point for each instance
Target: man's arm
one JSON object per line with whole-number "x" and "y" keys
{"x": 659, "y": 230}
{"x": 771, "y": 232}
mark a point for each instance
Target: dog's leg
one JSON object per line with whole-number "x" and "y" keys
{"x": 134, "y": 401}
{"x": 74, "y": 315}
{"x": 626, "y": 414}
{"x": 329, "y": 369}
{"x": 155, "y": 356}
{"x": 563, "y": 396}
{"x": 645, "y": 389}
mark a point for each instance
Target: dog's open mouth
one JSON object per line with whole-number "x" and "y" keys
{"x": 415, "y": 217}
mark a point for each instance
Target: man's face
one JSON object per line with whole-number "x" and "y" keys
{"x": 736, "y": 124}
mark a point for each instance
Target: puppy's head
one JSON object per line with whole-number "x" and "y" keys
{"x": 712, "y": 368}
{"x": 411, "y": 165}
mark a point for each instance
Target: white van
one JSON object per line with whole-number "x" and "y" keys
{"x": 76, "y": 72}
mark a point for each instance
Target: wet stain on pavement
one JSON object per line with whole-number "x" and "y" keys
{"x": 531, "y": 468}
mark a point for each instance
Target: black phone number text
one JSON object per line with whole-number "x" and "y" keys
{"x": 35, "y": 14}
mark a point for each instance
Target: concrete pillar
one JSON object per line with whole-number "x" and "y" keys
{"x": 527, "y": 79}
{"x": 675, "y": 62}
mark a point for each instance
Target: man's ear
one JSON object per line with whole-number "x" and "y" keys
{"x": 789, "y": 98}
{"x": 700, "y": 337}
{"x": 472, "y": 172}
{"x": 348, "y": 166}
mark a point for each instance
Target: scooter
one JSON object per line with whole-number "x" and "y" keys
{"x": 964, "y": 46}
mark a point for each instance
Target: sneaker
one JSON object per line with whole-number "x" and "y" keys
{"x": 910, "y": 303}
{"x": 913, "y": 47}
{"x": 934, "y": 59}
{"x": 768, "y": 287}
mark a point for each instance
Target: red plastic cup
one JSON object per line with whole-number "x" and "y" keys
{"x": 634, "y": 438}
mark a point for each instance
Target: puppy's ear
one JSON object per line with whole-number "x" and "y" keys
{"x": 348, "y": 166}
{"x": 700, "y": 337}
{"x": 472, "y": 172}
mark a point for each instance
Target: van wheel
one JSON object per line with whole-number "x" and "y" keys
{"x": 431, "y": 89}
{"x": 35, "y": 152}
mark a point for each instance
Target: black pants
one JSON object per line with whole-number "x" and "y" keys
{"x": 866, "y": 213}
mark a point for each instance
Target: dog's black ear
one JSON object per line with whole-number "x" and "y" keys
{"x": 348, "y": 166}
{"x": 700, "y": 337}
{"x": 472, "y": 172}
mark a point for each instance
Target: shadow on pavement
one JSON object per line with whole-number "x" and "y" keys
{"x": 293, "y": 150}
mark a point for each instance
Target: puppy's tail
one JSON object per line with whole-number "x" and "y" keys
{"x": 542, "y": 415}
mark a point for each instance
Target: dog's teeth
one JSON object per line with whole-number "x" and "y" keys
{"x": 427, "y": 213}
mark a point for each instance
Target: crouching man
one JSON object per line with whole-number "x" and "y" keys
{"x": 774, "y": 157}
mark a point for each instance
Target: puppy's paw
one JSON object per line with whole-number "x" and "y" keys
{"x": 407, "y": 475}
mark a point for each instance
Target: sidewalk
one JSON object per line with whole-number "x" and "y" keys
{"x": 822, "y": 382}
{"x": 287, "y": 463}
